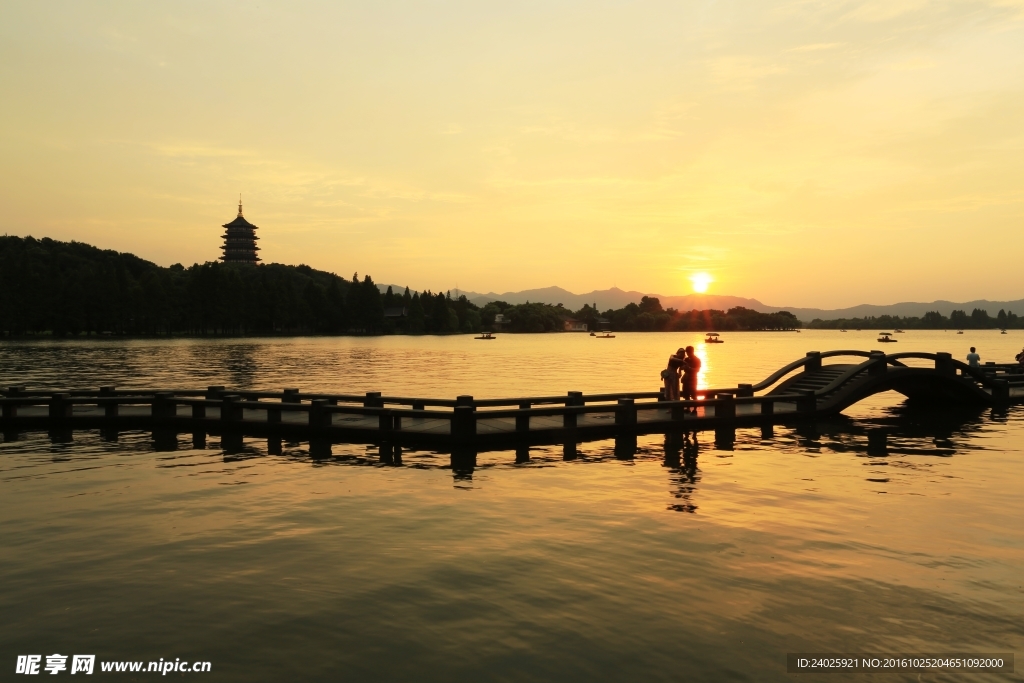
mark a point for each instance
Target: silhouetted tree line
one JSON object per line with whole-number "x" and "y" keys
{"x": 429, "y": 313}
{"x": 646, "y": 316}
{"x": 979, "y": 319}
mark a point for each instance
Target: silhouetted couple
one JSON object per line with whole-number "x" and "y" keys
{"x": 683, "y": 366}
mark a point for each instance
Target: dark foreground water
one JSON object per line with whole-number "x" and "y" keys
{"x": 683, "y": 564}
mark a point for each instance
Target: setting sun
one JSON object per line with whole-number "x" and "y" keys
{"x": 700, "y": 282}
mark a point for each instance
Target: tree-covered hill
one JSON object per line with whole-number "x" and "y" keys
{"x": 73, "y": 288}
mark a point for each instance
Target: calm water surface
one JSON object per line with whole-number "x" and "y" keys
{"x": 704, "y": 564}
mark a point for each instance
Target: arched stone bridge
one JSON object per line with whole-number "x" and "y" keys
{"x": 836, "y": 386}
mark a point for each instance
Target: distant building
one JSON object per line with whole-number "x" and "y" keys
{"x": 396, "y": 312}
{"x": 573, "y": 325}
{"x": 240, "y": 240}
{"x": 499, "y": 320}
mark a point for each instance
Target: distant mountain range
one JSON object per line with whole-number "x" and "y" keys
{"x": 617, "y": 298}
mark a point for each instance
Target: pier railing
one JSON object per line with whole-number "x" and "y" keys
{"x": 378, "y": 418}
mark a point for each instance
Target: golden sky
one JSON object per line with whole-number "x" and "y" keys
{"x": 811, "y": 152}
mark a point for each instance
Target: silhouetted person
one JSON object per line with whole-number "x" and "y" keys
{"x": 973, "y": 359}
{"x": 671, "y": 374}
{"x": 691, "y": 366}
{"x": 1020, "y": 357}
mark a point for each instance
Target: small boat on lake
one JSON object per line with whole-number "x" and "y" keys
{"x": 959, "y": 331}
{"x": 886, "y": 338}
{"x": 605, "y": 335}
{"x": 1002, "y": 331}
{"x": 713, "y": 339}
{"x": 485, "y": 335}
{"x": 897, "y": 331}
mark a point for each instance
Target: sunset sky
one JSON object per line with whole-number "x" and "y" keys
{"x": 805, "y": 153}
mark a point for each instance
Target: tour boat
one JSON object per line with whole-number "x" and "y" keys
{"x": 885, "y": 338}
{"x": 959, "y": 331}
{"x": 713, "y": 339}
{"x": 485, "y": 335}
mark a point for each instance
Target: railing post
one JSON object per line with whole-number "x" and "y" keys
{"x": 385, "y": 424}
{"x": 228, "y": 409}
{"x": 523, "y": 421}
{"x": 625, "y": 412}
{"x": 319, "y": 421}
{"x": 880, "y": 366}
{"x": 163, "y": 407}
{"x": 725, "y": 412}
{"x": 572, "y": 400}
{"x": 944, "y": 364}
{"x": 463, "y": 425}
{"x": 465, "y": 401}
{"x": 813, "y": 363}
{"x": 11, "y": 411}
{"x": 725, "y": 408}
{"x": 319, "y": 418}
{"x": 110, "y": 410}
{"x": 747, "y": 390}
{"x": 372, "y": 400}
{"x": 198, "y": 434}
{"x": 1000, "y": 390}
{"x": 767, "y": 407}
{"x": 288, "y": 397}
{"x": 214, "y": 393}
{"x": 60, "y": 407}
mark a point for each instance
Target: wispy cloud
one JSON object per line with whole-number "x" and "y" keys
{"x": 814, "y": 47}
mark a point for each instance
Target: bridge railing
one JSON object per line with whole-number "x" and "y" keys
{"x": 462, "y": 420}
{"x": 464, "y": 412}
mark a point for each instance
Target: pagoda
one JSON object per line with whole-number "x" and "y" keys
{"x": 240, "y": 240}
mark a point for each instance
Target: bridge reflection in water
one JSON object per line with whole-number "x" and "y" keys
{"x": 802, "y": 394}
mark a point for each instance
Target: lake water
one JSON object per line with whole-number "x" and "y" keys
{"x": 708, "y": 565}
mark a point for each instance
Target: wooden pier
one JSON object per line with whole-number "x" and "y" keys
{"x": 805, "y": 389}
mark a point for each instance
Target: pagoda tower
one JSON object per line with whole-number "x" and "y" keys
{"x": 240, "y": 240}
